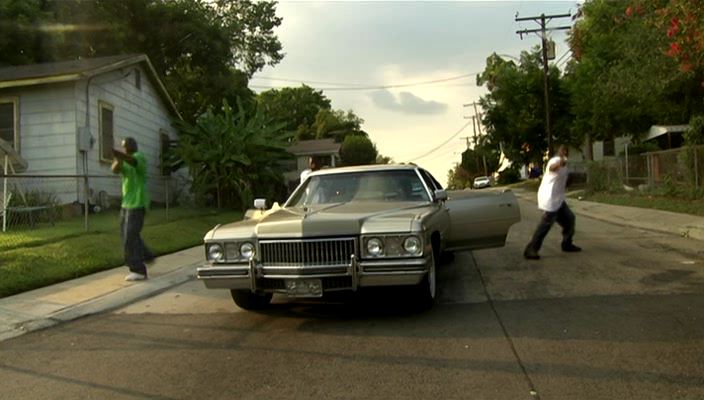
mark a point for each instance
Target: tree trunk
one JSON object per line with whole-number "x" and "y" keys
{"x": 589, "y": 155}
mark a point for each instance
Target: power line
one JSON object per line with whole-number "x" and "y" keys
{"x": 379, "y": 87}
{"x": 434, "y": 149}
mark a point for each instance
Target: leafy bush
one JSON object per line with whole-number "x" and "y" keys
{"x": 508, "y": 176}
{"x": 603, "y": 177}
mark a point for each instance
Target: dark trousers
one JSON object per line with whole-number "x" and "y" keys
{"x": 131, "y": 222}
{"x": 562, "y": 216}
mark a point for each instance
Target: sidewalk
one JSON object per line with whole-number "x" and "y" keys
{"x": 684, "y": 225}
{"x": 51, "y": 305}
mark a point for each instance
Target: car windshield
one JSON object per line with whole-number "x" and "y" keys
{"x": 400, "y": 186}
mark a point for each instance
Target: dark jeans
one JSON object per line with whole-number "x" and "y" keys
{"x": 562, "y": 216}
{"x": 131, "y": 222}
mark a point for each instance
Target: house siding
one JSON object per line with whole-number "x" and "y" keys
{"x": 47, "y": 137}
{"x": 139, "y": 113}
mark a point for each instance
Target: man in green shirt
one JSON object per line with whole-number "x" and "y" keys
{"x": 132, "y": 165}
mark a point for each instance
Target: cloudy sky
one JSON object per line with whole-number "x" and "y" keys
{"x": 352, "y": 48}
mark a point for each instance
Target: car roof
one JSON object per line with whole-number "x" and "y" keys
{"x": 365, "y": 168}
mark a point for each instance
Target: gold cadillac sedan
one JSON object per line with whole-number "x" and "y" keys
{"x": 346, "y": 228}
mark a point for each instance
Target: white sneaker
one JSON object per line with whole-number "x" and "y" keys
{"x": 133, "y": 276}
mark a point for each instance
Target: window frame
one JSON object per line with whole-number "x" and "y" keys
{"x": 15, "y": 101}
{"x": 104, "y": 105}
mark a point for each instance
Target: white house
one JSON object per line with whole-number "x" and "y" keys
{"x": 43, "y": 115}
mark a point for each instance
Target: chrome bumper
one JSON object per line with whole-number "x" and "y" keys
{"x": 258, "y": 278}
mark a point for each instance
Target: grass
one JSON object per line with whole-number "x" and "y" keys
{"x": 48, "y": 255}
{"x": 665, "y": 203}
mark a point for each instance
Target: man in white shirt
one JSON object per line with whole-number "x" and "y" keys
{"x": 551, "y": 200}
{"x": 314, "y": 164}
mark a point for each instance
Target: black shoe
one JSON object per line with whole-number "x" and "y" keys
{"x": 530, "y": 255}
{"x": 570, "y": 248}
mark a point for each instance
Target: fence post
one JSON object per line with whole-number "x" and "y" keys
{"x": 85, "y": 201}
{"x": 627, "y": 180}
{"x": 696, "y": 167}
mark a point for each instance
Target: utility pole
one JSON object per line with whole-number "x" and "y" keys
{"x": 477, "y": 126}
{"x": 543, "y": 20}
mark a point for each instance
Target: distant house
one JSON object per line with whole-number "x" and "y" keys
{"x": 64, "y": 118}
{"x": 327, "y": 149}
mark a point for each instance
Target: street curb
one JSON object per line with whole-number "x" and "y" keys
{"x": 110, "y": 301}
{"x": 688, "y": 231}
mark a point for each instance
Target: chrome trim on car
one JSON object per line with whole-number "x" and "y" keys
{"x": 307, "y": 252}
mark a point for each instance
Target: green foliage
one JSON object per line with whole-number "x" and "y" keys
{"x": 694, "y": 135}
{"x": 509, "y": 176}
{"x": 296, "y": 107}
{"x": 515, "y": 107}
{"x": 603, "y": 177}
{"x": 622, "y": 82}
{"x": 358, "y": 150}
{"x": 335, "y": 124}
{"x": 234, "y": 153}
{"x": 204, "y": 50}
{"x": 458, "y": 178}
{"x": 640, "y": 148}
{"x": 473, "y": 160}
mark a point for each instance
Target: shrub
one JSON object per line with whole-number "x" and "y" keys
{"x": 508, "y": 176}
{"x": 603, "y": 177}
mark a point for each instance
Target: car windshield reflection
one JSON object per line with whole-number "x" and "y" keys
{"x": 388, "y": 186}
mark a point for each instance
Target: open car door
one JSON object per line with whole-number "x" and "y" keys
{"x": 480, "y": 219}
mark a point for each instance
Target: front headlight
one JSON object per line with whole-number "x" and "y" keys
{"x": 412, "y": 245}
{"x": 215, "y": 253}
{"x": 247, "y": 250}
{"x": 375, "y": 247}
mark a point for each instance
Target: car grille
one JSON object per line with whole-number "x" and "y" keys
{"x": 307, "y": 253}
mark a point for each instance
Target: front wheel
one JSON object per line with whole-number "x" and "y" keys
{"x": 247, "y": 300}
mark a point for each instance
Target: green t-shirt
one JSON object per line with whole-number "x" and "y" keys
{"x": 134, "y": 183}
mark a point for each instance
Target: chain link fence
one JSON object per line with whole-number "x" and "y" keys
{"x": 41, "y": 207}
{"x": 669, "y": 172}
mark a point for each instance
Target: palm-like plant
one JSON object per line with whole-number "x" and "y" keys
{"x": 236, "y": 153}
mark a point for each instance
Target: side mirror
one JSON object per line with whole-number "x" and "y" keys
{"x": 260, "y": 204}
{"x": 440, "y": 195}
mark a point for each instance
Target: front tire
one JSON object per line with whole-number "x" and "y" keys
{"x": 247, "y": 300}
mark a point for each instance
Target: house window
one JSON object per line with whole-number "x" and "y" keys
{"x": 106, "y": 131}
{"x": 164, "y": 144}
{"x": 609, "y": 148}
{"x": 9, "y": 122}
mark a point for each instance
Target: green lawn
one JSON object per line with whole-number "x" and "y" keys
{"x": 674, "y": 204}
{"x": 34, "y": 258}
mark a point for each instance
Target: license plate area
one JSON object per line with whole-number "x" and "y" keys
{"x": 304, "y": 287}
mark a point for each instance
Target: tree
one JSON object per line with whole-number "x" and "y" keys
{"x": 622, "y": 80}
{"x": 358, "y": 150}
{"x": 296, "y": 107}
{"x": 458, "y": 178}
{"x": 335, "y": 124}
{"x": 682, "y": 21}
{"x": 204, "y": 50}
{"x": 515, "y": 109}
{"x": 235, "y": 153}
{"x": 484, "y": 154}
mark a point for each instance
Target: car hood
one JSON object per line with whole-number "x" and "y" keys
{"x": 342, "y": 219}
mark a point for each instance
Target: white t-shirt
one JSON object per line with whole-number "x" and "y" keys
{"x": 551, "y": 193}
{"x": 305, "y": 174}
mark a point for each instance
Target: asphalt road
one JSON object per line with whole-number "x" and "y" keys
{"x": 624, "y": 319}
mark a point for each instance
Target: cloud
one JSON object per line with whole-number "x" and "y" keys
{"x": 407, "y": 103}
